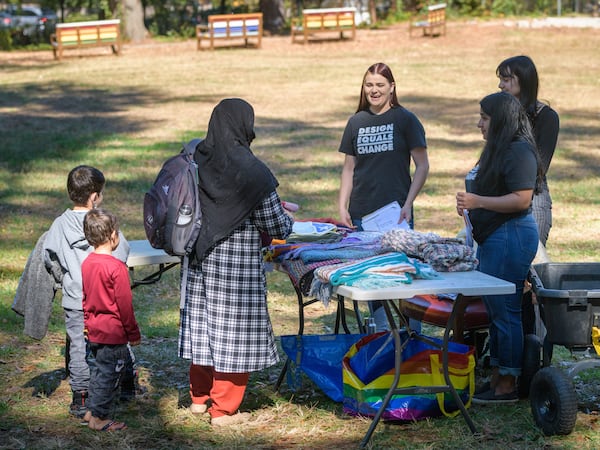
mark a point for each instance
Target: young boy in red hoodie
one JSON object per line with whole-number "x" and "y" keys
{"x": 109, "y": 319}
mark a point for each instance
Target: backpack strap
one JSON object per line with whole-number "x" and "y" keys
{"x": 190, "y": 147}
{"x": 185, "y": 263}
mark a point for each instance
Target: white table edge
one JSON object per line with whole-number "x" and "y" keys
{"x": 141, "y": 253}
{"x": 471, "y": 283}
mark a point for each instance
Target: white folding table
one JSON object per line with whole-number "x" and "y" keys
{"x": 465, "y": 284}
{"x": 141, "y": 253}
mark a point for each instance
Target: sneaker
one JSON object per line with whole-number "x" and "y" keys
{"x": 225, "y": 421}
{"x": 78, "y": 404}
{"x": 198, "y": 408}
{"x": 491, "y": 398}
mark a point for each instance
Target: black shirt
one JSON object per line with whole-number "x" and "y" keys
{"x": 518, "y": 173}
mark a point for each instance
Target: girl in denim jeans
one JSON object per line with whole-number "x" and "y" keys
{"x": 500, "y": 191}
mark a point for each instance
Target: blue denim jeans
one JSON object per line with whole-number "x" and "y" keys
{"x": 106, "y": 374}
{"x": 507, "y": 254}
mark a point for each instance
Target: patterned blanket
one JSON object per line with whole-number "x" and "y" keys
{"x": 386, "y": 270}
{"x": 443, "y": 254}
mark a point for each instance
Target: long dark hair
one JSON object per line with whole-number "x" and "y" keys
{"x": 377, "y": 69}
{"x": 524, "y": 69}
{"x": 508, "y": 122}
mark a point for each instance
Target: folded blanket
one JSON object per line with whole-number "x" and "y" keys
{"x": 443, "y": 254}
{"x": 449, "y": 256}
{"x": 368, "y": 267}
{"x": 357, "y": 245}
{"x": 301, "y": 274}
{"x": 381, "y": 271}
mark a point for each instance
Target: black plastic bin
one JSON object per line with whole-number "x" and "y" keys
{"x": 570, "y": 294}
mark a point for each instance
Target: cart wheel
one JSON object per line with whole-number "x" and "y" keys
{"x": 531, "y": 363}
{"x": 553, "y": 401}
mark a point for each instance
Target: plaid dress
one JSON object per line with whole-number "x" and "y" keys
{"x": 225, "y": 323}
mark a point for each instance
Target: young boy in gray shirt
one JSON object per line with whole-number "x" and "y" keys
{"x": 66, "y": 245}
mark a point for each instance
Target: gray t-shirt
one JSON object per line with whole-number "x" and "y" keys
{"x": 381, "y": 145}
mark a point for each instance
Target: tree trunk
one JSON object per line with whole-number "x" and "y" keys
{"x": 273, "y": 15}
{"x": 373, "y": 12}
{"x": 133, "y": 18}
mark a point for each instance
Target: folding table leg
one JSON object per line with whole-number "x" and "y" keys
{"x": 359, "y": 319}
{"x": 301, "y": 305}
{"x": 341, "y": 316}
{"x": 284, "y": 370}
{"x": 459, "y": 305}
{"x": 397, "y": 361}
{"x": 67, "y": 356}
{"x": 389, "y": 305}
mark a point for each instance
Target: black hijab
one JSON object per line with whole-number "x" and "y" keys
{"x": 232, "y": 181}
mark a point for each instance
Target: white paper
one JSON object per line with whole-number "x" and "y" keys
{"x": 468, "y": 228}
{"x": 312, "y": 228}
{"x": 384, "y": 219}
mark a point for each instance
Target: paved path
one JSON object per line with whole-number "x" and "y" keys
{"x": 557, "y": 22}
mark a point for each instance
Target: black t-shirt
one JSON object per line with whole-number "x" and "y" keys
{"x": 381, "y": 145}
{"x": 518, "y": 172}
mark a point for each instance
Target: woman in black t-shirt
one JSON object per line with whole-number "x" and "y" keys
{"x": 499, "y": 206}
{"x": 379, "y": 142}
{"x": 518, "y": 76}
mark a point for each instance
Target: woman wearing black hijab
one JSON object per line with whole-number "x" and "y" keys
{"x": 225, "y": 327}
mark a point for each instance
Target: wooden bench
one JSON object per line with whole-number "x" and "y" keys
{"x": 231, "y": 27}
{"x": 433, "y": 24}
{"x": 323, "y": 20}
{"x": 77, "y": 35}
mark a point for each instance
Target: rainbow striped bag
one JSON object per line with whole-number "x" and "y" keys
{"x": 368, "y": 372}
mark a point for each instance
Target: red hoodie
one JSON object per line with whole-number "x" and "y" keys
{"x": 107, "y": 301}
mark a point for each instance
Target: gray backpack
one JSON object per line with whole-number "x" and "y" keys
{"x": 172, "y": 215}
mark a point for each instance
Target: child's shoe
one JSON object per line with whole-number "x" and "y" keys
{"x": 78, "y": 405}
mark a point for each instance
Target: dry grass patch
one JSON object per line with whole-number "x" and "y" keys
{"x": 127, "y": 114}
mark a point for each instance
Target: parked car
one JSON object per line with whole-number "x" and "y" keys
{"x": 29, "y": 23}
{"x": 5, "y": 20}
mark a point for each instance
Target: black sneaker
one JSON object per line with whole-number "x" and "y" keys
{"x": 78, "y": 405}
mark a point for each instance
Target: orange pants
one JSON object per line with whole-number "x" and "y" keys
{"x": 225, "y": 390}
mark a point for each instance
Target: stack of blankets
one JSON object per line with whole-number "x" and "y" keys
{"x": 370, "y": 260}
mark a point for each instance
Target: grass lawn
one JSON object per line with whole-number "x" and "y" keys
{"x": 127, "y": 114}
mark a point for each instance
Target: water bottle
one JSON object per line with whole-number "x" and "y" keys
{"x": 370, "y": 326}
{"x": 185, "y": 215}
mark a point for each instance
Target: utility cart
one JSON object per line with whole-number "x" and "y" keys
{"x": 570, "y": 296}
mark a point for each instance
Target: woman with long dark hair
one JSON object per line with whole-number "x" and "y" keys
{"x": 498, "y": 200}
{"x": 519, "y": 77}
